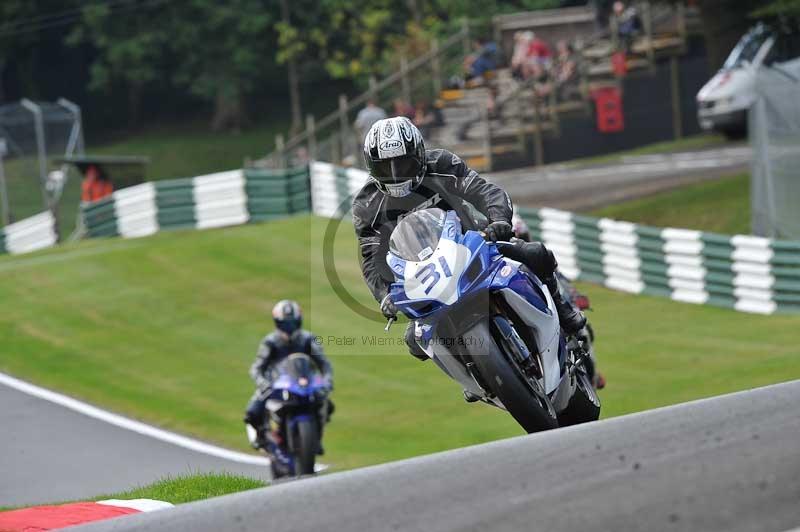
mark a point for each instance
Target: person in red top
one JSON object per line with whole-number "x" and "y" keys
{"x": 539, "y": 49}
{"x": 95, "y": 185}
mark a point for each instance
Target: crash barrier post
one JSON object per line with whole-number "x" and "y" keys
{"x": 216, "y": 200}
{"x": 30, "y": 234}
{"x": 743, "y": 272}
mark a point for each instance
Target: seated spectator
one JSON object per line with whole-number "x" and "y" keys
{"x": 629, "y": 25}
{"x": 401, "y": 108}
{"x": 95, "y": 185}
{"x": 482, "y": 61}
{"x": 537, "y": 60}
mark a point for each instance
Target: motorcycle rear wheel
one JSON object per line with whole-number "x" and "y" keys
{"x": 584, "y": 405}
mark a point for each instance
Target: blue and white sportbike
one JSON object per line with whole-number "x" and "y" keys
{"x": 488, "y": 323}
{"x": 297, "y": 409}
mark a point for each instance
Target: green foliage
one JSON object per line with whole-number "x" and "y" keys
{"x": 129, "y": 49}
{"x": 779, "y": 8}
{"x": 220, "y": 54}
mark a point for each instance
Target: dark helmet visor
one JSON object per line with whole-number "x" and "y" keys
{"x": 399, "y": 168}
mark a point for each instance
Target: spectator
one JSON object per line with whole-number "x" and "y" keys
{"x": 368, "y": 116}
{"x": 95, "y": 185}
{"x": 482, "y": 61}
{"x": 427, "y": 117}
{"x": 629, "y": 25}
{"x": 539, "y": 50}
{"x": 401, "y": 108}
{"x": 537, "y": 58}
{"x": 522, "y": 41}
{"x": 565, "y": 70}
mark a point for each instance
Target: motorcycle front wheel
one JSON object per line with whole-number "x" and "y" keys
{"x": 305, "y": 442}
{"x": 523, "y": 399}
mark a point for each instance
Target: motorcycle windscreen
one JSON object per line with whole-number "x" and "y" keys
{"x": 417, "y": 235}
{"x": 298, "y": 366}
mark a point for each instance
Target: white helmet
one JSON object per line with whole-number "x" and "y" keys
{"x": 394, "y": 153}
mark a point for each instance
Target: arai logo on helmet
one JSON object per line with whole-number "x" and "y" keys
{"x": 391, "y": 145}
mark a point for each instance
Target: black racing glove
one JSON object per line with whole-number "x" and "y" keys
{"x": 388, "y": 308}
{"x": 499, "y": 231}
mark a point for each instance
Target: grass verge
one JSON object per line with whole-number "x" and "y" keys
{"x": 184, "y": 488}
{"x": 164, "y": 329}
{"x": 719, "y": 206}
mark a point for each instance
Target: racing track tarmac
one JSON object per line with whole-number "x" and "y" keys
{"x": 49, "y": 453}
{"x": 730, "y": 463}
{"x": 581, "y": 187}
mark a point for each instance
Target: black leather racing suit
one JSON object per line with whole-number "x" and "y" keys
{"x": 449, "y": 184}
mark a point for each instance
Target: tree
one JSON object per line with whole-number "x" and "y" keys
{"x": 210, "y": 49}
{"x": 129, "y": 49}
{"x": 291, "y": 46}
{"x": 220, "y": 50}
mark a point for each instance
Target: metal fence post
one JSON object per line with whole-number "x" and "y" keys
{"x": 465, "y": 36}
{"x": 538, "y": 146}
{"x": 40, "y": 146}
{"x": 3, "y": 188}
{"x": 677, "y": 118}
{"x": 344, "y": 126}
{"x": 436, "y": 68}
{"x": 405, "y": 84}
{"x": 75, "y": 143}
{"x": 373, "y": 87}
{"x": 487, "y": 137}
{"x": 279, "y": 146}
{"x": 648, "y": 32}
{"x": 312, "y": 137}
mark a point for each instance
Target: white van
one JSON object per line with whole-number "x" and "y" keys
{"x": 722, "y": 103}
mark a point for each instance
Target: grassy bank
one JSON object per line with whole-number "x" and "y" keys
{"x": 164, "y": 329}
{"x": 188, "y": 488}
{"x": 720, "y": 206}
{"x": 182, "y": 489}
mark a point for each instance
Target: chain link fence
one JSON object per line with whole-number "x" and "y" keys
{"x": 774, "y": 123}
{"x": 34, "y": 133}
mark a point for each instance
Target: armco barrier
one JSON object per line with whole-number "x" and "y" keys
{"x": 215, "y": 200}
{"x": 30, "y": 234}
{"x": 747, "y": 273}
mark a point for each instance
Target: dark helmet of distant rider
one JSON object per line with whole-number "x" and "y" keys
{"x": 288, "y": 316}
{"x": 394, "y": 153}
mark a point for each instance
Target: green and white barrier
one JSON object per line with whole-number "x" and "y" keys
{"x": 215, "y": 200}
{"x": 30, "y": 234}
{"x": 747, "y": 273}
{"x": 333, "y": 187}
